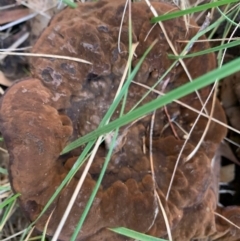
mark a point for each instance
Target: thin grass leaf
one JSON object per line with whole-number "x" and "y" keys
{"x": 9, "y": 200}
{"x": 46, "y": 226}
{"x": 1, "y": 138}
{"x": 181, "y": 91}
{"x": 7, "y": 213}
{"x": 28, "y": 233}
{"x": 5, "y": 188}
{"x": 227, "y": 30}
{"x": 222, "y": 18}
{"x": 191, "y": 10}
{"x": 206, "y": 51}
{"x": 46, "y": 56}
{"x": 35, "y": 238}
{"x": 79, "y": 162}
{"x": 12, "y": 237}
{"x": 3, "y": 171}
{"x": 70, "y": 3}
{"x": 96, "y": 187}
{"x": 135, "y": 235}
{"x": 227, "y": 18}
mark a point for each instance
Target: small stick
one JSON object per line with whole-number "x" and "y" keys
{"x": 170, "y": 122}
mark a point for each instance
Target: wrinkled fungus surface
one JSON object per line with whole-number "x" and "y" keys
{"x": 230, "y": 96}
{"x": 65, "y": 99}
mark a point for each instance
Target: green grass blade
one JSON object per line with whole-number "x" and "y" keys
{"x": 191, "y": 10}
{"x": 35, "y": 238}
{"x": 207, "y": 51}
{"x": 94, "y": 192}
{"x": 70, "y": 3}
{"x": 198, "y": 83}
{"x": 135, "y": 235}
{"x": 5, "y": 188}
{"x": 44, "y": 233}
{"x": 7, "y": 213}
{"x": 227, "y": 18}
{"x": 3, "y": 171}
{"x": 9, "y": 200}
{"x": 113, "y": 107}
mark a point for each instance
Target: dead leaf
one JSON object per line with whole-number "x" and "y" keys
{"x": 13, "y": 15}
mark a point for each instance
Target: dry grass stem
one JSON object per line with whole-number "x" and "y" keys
{"x": 170, "y": 123}
{"x": 29, "y": 234}
{"x": 11, "y": 237}
{"x": 180, "y": 127}
{"x": 209, "y": 40}
{"x": 9, "y": 6}
{"x": 173, "y": 48}
{"x": 3, "y": 150}
{"x": 165, "y": 218}
{"x": 232, "y": 142}
{"x": 227, "y": 220}
{"x": 208, "y": 122}
{"x": 154, "y": 182}
{"x": 46, "y": 56}
{"x": 152, "y": 165}
{"x": 190, "y": 108}
{"x": 150, "y": 31}
{"x": 120, "y": 28}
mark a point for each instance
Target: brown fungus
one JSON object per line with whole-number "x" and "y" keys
{"x": 230, "y": 97}
{"x": 65, "y": 100}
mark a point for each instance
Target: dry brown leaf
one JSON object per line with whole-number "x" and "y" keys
{"x": 12, "y": 15}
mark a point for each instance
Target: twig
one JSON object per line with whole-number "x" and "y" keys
{"x": 47, "y": 56}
